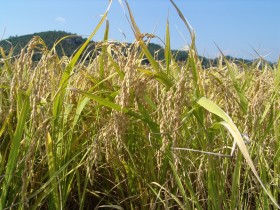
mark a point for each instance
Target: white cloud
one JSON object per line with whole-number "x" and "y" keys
{"x": 186, "y": 48}
{"x": 60, "y": 19}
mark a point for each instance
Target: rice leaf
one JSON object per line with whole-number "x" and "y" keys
{"x": 187, "y": 24}
{"x": 15, "y": 147}
{"x": 115, "y": 64}
{"x": 6, "y": 60}
{"x": 240, "y": 92}
{"x": 231, "y": 127}
{"x": 174, "y": 197}
{"x": 52, "y": 170}
{"x": 135, "y": 28}
{"x": 274, "y": 95}
{"x": 167, "y": 49}
{"x": 81, "y": 105}
{"x": 101, "y": 101}
{"x": 66, "y": 74}
{"x": 213, "y": 108}
{"x": 162, "y": 75}
{"x": 111, "y": 207}
{"x": 102, "y": 57}
{"x": 182, "y": 190}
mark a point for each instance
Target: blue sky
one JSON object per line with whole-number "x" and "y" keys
{"x": 236, "y": 26}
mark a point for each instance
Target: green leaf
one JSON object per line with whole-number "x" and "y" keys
{"x": 231, "y": 127}
{"x": 15, "y": 147}
{"x": 102, "y": 57}
{"x": 167, "y": 49}
{"x": 182, "y": 190}
{"x": 213, "y": 108}
{"x": 52, "y": 170}
{"x": 66, "y": 74}
{"x": 101, "y": 101}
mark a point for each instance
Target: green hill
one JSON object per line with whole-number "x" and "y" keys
{"x": 69, "y": 45}
{"x": 66, "y": 47}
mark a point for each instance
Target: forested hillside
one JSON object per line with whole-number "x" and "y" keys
{"x": 73, "y": 42}
{"x": 66, "y": 47}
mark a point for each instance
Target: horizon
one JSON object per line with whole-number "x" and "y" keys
{"x": 238, "y": 28}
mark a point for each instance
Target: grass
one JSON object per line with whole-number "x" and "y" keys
{"x": 99, "y": 132}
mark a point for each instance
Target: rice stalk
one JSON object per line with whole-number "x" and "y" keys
{"x": 227, "y": 123}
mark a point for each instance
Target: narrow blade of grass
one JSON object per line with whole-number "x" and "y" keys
{"x": 274, "y": 95}
{"x": 116, "y": 107}
{"x": 101, "y": 101}
{"x": 167, "y": 49}
{"x": 6, "y": 61}
{"x": 52, "y": 170}
{"x": 102, "y": 57}
{"x": 174, "y": 197}
{"x": 66, "y": 74}
{"x": 15, "y": 148}
{"x": 182, "y": 190}
{"x": 111, "y": 207}
{"x": 231, "y": 127}
{"x": 236, "y": 183}
{"x": 135, "y": 28}
{"x": 115, "y": 64}
{"x": 188, "y": 25}
{"x": 240, "y": 92}
{"x": 162, "y": 75}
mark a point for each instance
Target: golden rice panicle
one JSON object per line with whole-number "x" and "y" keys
{"x": 126, "y": 95}
{"x": 37, "y": 80}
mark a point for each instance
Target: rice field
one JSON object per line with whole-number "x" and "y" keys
{"x": 110, "y": 132}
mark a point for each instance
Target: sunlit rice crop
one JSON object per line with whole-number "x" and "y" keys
{"x": 109, "y": 131}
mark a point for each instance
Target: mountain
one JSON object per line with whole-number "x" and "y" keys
{"x": 73, "y": 42}
{"x": 65, "y": 47}
{"x": 69, "y": 45}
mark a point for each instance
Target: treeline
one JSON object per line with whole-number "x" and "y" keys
{"x": 65, "y": 47}
{"x": 68, "y": 46}
{"x": 181, "y": 55}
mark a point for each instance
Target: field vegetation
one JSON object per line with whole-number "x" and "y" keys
{"x": 111, "y": 132}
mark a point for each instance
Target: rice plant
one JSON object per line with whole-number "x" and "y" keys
{"x": 109, "y": 131}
